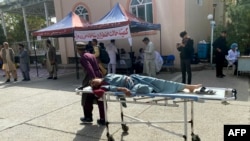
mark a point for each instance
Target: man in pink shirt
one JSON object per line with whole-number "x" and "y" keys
{"x": 91, "y": 68}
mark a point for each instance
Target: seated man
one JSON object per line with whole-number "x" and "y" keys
{"x": 137, "y": 84}
{"x": 158, "y": 62}
{"x": 232, "y": 56}
{"x": 138, "y": 64}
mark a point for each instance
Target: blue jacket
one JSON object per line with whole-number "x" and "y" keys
{"x": 142, "y": 84}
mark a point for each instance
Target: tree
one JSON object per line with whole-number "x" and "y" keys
{"x": 237, "y": 25}
{"x": 2, "y": 36}
{"x": 15, "y": 27}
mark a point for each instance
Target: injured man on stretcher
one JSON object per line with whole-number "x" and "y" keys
{"x": 137, "y": 84}
{"x": 129, "y": 85}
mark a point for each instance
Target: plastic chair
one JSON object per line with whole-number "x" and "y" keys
{"x": 168, "y": 62}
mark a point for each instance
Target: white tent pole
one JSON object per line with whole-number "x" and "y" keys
{"x": 26, "y": 27}
{"x": 3, "y": 24}
{"x": 130, "y": 43}
{"x": 46, "y": 13}
{"x": 76, "y": 59}
{"x": 160, "y": 43}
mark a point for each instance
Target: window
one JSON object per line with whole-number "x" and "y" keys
{"x": 82, "y": 12}
{"x": 142, "y": 9}
{"x": 200, "y": 2}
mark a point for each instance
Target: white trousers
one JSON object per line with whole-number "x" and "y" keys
{"x": 149, "y": 68}
{"x": 112, "y": 68}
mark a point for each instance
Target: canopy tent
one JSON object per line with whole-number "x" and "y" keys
{"x": 63, "y": 28}
{"x": 116, "y": 24}
{"x": 118, "y": 16}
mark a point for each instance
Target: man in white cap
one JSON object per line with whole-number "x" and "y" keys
{"x": 91, "y": 70}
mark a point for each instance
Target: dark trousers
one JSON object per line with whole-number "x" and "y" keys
{"x": 186, "y": 69}
{"x": 138, "y": 67}
{"x": 220, "y": 59}
{"x": 26, "y": 75}
{"x": 89, "y": 99}
{"x": 53, "y": 73}
{"x": 88, "y": 106}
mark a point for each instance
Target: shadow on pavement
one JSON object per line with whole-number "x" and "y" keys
{"x": 65, "y": 82}
{"x": 94, "y": 132}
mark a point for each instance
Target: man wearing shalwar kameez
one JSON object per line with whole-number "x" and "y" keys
{"x": 91, "y": 68}
{"x": 24, "y": 62}
{"x": 138, "y": 84}
{"x": 97, "y": 55}
{"x": 51, "y": 63}
{"x": 149, "y": 67}
{"x": 134, "y": 84}
{"x": 112, "y": 51}
{"x": 8, "y": 57}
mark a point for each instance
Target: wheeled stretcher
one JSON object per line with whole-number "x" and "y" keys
{"x": 220, "y": 94}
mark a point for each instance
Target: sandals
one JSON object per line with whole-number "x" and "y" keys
{"x": 205, "y": 91}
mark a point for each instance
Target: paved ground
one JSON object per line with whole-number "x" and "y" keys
{"x": 49, "y": 110}
{"x": 41, "y": 73}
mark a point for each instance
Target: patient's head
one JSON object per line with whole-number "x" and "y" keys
{"x": 95, "y": 83}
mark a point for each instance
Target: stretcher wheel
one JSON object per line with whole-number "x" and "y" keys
{"x": 125, "y": 128}
{"x": 234, "y": 91}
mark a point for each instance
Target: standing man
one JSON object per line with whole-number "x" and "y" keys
{"x": 89, "y": 47}
{"x": 186, "y": 49}
{"x": 8, "y": 56}
{"x": 112, "y": 51}
{"x": 149, "y": 58}
{"x": 97, "y": 55}
{"x": 220, "y": 46}
{"x": 51, "y": 63}
{"x": 24, "y": 62}
{"x": 90, "y": 65}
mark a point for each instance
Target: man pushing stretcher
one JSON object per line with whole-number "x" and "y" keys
{"x": 133, "y": 84}
{"x": 139, "y": 85}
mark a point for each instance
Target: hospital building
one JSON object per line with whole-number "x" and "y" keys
{"x": 173, "y": 16}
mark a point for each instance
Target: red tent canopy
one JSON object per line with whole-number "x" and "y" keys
{"x": 116, "y": 24}
{"x": 63, "y": 28}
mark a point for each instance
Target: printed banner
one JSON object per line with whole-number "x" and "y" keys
{"x": 103, "y": 34}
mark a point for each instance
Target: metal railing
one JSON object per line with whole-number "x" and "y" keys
{"x": 37, "y": 48}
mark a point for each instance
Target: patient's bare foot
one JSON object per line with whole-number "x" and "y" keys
{"x": 191, "y": 88}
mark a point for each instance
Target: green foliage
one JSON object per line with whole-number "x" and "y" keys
{"x": 238, "y": 28}
{"x": 15, "y": 27}
{"x": 2, "y": 36}
{"x": 35, "y": 22}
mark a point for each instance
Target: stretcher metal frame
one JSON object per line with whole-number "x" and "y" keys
{"x": 222, "y": 94}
